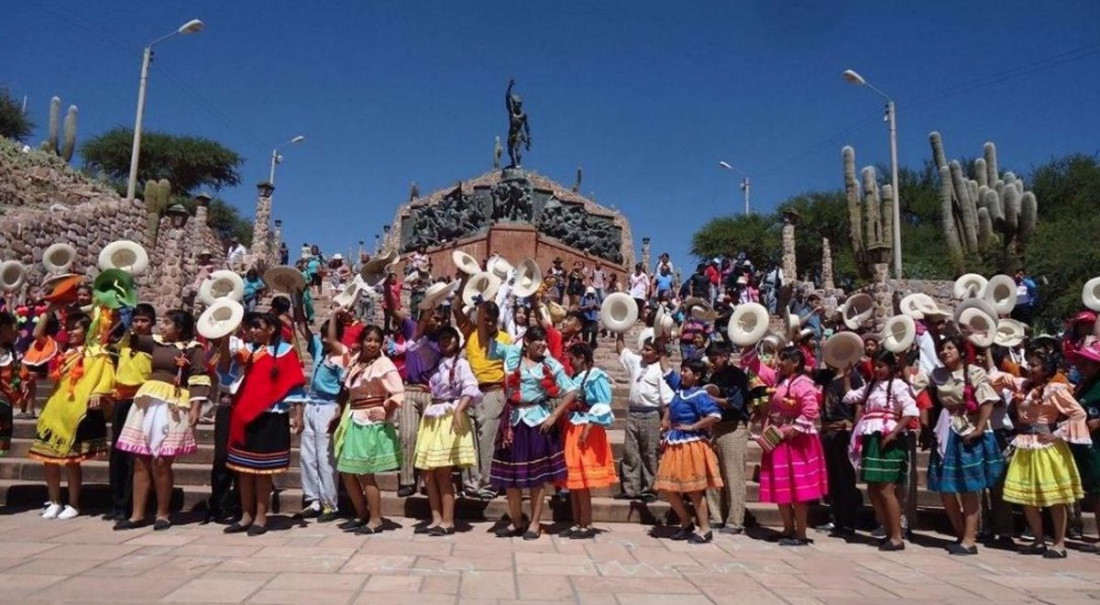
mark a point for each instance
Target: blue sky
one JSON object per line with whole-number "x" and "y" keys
{"x": 646, "y": 96}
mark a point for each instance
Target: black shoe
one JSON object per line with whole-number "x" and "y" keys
{"x": 684, "y": 533}
{"x": 256, "y": 530}
{"x": 508, "y": 531}
{"x": 701, "y": 539}
{"x": 424, "y": 529}
{"x": 649, "y": 498}
{"x": 124, "y": 524}
{"x": 585, "y": 533}
{"x": 1002, "y": 543}
{"x": 842, "y": 532}
{"x": 532, "y": 535}
{"x": 327, "y": 516}
{"x": 352, "y": 524}
{"x": 733, "y": 530}
{"x": 366, "y": 530}
{"x": 307, "y": 513}
{"x": 236, "y": 528}
{"x": 960, "y": 550}
{"x": 1032, "y": 549}
{"x": 115, "y": 515}
{"x": 1054, "y": 554}
{"x": 790, "y": 541}
{"x": 439, "y": 531}
{"x": 569, "y": 532}
{"x": 162, "y": 524}
{"x": 406, "y": 491}
{"x": 624, "y": 497}
{"x": 889, "y": 546}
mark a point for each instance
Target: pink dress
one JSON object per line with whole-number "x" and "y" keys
{"x": 795, "y": 470}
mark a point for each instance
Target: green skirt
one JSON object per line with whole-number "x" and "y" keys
{"x": 363, "y": 450}
{"x": 879, "y": 464}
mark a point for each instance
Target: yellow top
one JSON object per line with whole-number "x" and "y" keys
{"x": 487, "y": 371}
{"x": 134, "y": 367}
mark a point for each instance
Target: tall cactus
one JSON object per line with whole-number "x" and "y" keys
{"x": 65, "y": 147}
{"x": 157, "y": 196}
{"x": 992, "y": 208}
{"x": 870, "y": 215}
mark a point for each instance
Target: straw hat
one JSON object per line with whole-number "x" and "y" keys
{"x": 1090, "y": 295}
{"x": 126, "y": 255}
{"x": 58, "y": 258}
{"x": 979, "y": 326}
{"x": 465, "y": 263}
{"x": 975, "y": 303}
{"x": 1010, "y": 333}
{"x": 12, "y": 275}
{"x": 1001, "y": 293}
{"x": 643, "y": 336}
{"x": 793, "y": 324}
{"x": 704, "y": 313}
{"x": 221, "y": 284}
{"x": 662, "y": 323}
{"x": 483, "y": 284}
{"x": 748, "y": 324}
{"x": 693, "y": 301}
{"x": 898, "y": 333}
{"x": 285, "y": 279}
{"x": 378, "y": 266}
{"x": 528, "y": 278}
{"x": 618, "y": 312}
{"x": 220, "y": 319}
{"x": 857, "y": 310}
{"x": 500, "y": 267}
{"x": 434, "y": 295}
{"x": 970, "y": 285}
{"x": 914, "y": 304}
{"x": 842, "y": 350}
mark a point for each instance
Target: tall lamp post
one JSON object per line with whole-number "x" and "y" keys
{"x": 277, "y": 159}
{"x": 891, "y": 118}
{"x": 746, "y": 185}
{"x": 191, "y": 27}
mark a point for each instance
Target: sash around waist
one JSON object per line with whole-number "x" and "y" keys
{"x": 367, "y": 402}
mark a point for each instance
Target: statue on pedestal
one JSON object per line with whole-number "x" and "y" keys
{"x": 519, "y": 131}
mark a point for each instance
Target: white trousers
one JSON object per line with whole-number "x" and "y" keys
{"x": 318, "y": 466}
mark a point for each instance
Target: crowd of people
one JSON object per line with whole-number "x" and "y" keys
{"x": 500, "y": 394}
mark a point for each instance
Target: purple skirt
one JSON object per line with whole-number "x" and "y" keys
{"x": 532, "y": 460}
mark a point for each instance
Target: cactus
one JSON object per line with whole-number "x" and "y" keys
{"x": 157, "y": 197}
{"x": 577, "y": 183}
{"x": 69, "y": 144}
{"x": 55, "y": 123}
{"x": 870, "y": 215}
{"x": 977, "y": 212}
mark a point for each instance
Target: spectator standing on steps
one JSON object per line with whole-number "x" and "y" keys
{"x": 649, "y": 394}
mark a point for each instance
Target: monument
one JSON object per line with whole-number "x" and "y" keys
{"x": 514, "y": 212}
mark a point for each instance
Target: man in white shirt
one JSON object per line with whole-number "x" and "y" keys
{"x": 649, "y": 394}
{"x": 234, "y": 258}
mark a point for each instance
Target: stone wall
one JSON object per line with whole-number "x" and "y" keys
{"x": 37, "y": 179}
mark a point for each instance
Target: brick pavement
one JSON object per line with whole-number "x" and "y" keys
{"x": 84, "y": 561}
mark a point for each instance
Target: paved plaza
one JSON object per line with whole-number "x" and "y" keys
{"x": 84, "y": 561}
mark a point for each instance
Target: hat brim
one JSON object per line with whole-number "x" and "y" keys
{"x": 220, "y": 319}
{"x": 126, "y": 255}
{"x": 619, "y": 312}
{"x": 221, "y": 284}
{"x": 748, "y": 324}
{"x": 285, "y": 279}
{"x": 842, "y": 350}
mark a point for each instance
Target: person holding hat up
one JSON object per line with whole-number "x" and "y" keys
{"x": 649, "y": 394}
{"x": 422, "y": 356}
{"x": 730, "y": 438}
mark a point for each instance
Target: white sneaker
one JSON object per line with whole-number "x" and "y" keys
{"x": 68, "y": 513}
{"x": 51, "y": 511}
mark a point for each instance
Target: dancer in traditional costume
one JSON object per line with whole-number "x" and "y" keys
{"x": 589, "y": 463}
{"x": 688, "y": 464}
{"x": 966, "y": 459}
{"x": 366, "y": 440}
{"x": 160, "y": 425}
{"x": 11, "y": 389}
{"x": 72, "y": 428}
{"x": 1087, "y": 361}
{"x": 883, "y": 408}
{"x": 528, "y": 452}
{"x": 792, "y": 471}
{"x": 262, "y": 417}
{"x": 132, "y": 371}
{"x": 1042, "y": 473}
{"x": 445, "y": 439}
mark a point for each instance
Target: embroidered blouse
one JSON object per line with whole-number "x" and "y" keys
{"x": 880, "y": 412}
{"x": 531, "y": 389}
{"x": 1040, "y": 410}
{"x": 688, "y": 406}
{"x": 795, "y": 403}
{"x": 179, "y": 364}
{"x": 452, "y": 380}
{"x": 594, "y": 399}
{"x": 950, "y": 387}
{"x": 378, "y": 378}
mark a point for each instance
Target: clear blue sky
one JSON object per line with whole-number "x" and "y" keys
{"x": 646, "y": 96}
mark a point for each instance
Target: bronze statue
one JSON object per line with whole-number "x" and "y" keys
{"x": 519, "y": 132}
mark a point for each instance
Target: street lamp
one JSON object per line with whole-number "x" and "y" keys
{"x": 193, "y": 26}
{"x": 746, "y": 186}
{"x": 891, "y": 118}
{"x": 277, "y": 159}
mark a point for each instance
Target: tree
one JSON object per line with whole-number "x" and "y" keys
{"x": 14, "y": 124}
{"x": 758, "y": 235}
{"x": 225, "y": 220}
{"x": 190, "y": 163}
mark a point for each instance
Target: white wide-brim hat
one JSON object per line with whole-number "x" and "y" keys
{"x": 974, "y": 303}
{"x": 898, "y": 333}
{"x": 465, "y": 263}
{"x": 748, "y": 324}
{"x": 619, "y": 312}
{"x": 1010, "y": 333}
{"x": 1090, "y": 294}
{"x": 644, "y": 335}
{"x": 285, "y": 279}
{"x": 1001, "y": 293}
{"x": 435, "y": 295}
{"x": 12, "y": 275}
{"x": 220, "y": 319}
{"x": 378, "y": 266}
{"x": 58, "y": 258}
{"x": 915, "y": 304}
{"x": 662, "y": 324}
{"x": 793, "y": 325}
{"x": 857, "y": 310}
{"x": 979, "y": 326}
{"x": 221, "y": 284}
{"x": 528, "y": 278}
{"x": 500, "y": 267}
{"x": 126, "y": 255}
{"x": 842, "y": 350}
{"x": 481, "y": 283}
{"x": 970, "y": 285}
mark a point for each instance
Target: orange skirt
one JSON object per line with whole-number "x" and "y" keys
{"x": 688, "y": 467}
{"x": 591, "y": 465}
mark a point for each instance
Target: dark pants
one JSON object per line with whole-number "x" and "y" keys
{"x": 999, "y": 519}
{"x": 223, "y": 493}
{"x": 591, "y": 330}
{"x": 120, "y": 465}
{"x": 845, "y": 501}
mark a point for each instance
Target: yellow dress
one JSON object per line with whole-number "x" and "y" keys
{"x": 68, "y": 432}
